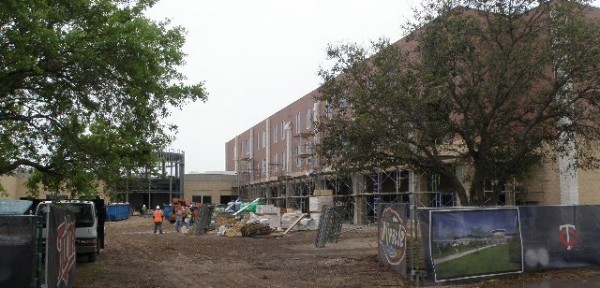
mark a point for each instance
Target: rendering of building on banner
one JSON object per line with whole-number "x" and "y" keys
{"x": 461, "y": 240}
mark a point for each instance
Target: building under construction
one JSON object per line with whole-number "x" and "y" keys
{"x": 275, "y": 160}
{"x": 156, "y": 185}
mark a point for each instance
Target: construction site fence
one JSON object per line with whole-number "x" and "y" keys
{"x": 60, "y": 251}
{"x": 437, "y": 245}
{"x": 18, "y": 250}
{"x": 330, "y": 226}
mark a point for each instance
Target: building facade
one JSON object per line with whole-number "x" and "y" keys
{"x": 274, "y": 160}
{"x": 210, "y": 188}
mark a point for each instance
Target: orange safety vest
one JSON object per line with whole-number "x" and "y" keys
{"x": 158, "y": 216}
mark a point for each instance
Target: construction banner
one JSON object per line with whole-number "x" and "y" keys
{"x": 474, "y": 242}
{"x": 60, "y": 248}
{"x": 557, "y": 237}
{"x": 392, "y": 244}
{"x": 464, "y": 243}
{"x": 17, "y": 251}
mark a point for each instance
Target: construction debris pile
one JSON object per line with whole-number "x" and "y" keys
{"x": 258, "y": 218}
{"x": 256, "y": 229}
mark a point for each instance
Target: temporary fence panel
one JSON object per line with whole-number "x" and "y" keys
{"x": 469, "y": 243}
{"x": 15, "y": 207}
{"x": 557, "y": 237}
{"x": 202, "y": 219}
{"x": 330, "y": 225}
{"x": 392, "y": 240}
{"x": 60, "y": 247}
{"x": 17, "y": 251}
{"x": 464, "y": 243}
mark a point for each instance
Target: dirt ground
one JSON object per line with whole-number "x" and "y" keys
{"x": 135, "y": 257}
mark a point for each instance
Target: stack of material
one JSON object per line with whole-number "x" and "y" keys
{"x": 225, "y": 219}
{"x": 289, "y": 221}
{"x": 316, "y": 203}
{"x": 236, "y": 229}
{"x": 268, "y": 214}
{"x": 255, "y": 229}
{"x": 263, "y": 210}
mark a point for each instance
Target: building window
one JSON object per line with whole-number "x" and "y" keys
{"x": 202, "y": 199}
{"x": 264, "y": 166}
{"x": 275, "y": 133}
{"x": 282, "y": 130}
{"x": 248, "y": 146}
{"x": 298, "y": 158}
{"x": 309, "y": 152}
{"x": 283, "y": 162}
{"x": 344, "y": 106}
{"x": 264, "y": 139}
{"x": 329, "y": 110}
{"x": 275, "y": 162}
{"x": 309, "y": 118}
{"x": 257, "y": 141}
{"x": 298, "y": 122}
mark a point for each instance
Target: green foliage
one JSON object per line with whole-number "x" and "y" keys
{"x": 484, "y": 84}
{"x": 82, "y": 185}
{"x": 85, "y": 88}
{"x": 3, "y": 192}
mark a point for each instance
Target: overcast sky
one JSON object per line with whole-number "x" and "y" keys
{"x": 258, "y": 56}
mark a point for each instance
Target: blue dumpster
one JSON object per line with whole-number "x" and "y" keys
{"x": 117, "y": 211}
{"x": 167, "y": 210}
{"x": 111, "y": 212}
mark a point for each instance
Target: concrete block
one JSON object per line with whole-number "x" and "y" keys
{"x": 316, "y": 203}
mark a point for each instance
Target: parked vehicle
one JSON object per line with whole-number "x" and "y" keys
{"x": 86, "y": 225}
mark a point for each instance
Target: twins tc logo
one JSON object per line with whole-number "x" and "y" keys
{"x": 65, "y": 245}
{"x": 392, "y": 237}
{"x": 568, "y": 235}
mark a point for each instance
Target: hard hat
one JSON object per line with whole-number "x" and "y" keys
{"x": 157, "y": 207}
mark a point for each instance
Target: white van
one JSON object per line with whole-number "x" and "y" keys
{"x": 86, "y": 225}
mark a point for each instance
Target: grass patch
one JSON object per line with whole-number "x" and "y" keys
{"x": 86, "y": 273}
{"x": 493, "y": 260}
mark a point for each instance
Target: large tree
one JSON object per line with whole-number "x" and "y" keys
{"x": 495, "y": 86}
{"x": 85, "y": 89}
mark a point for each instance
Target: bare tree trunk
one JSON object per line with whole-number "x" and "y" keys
{"x": 477, "y": 185}
{"x": 497, "y": 191}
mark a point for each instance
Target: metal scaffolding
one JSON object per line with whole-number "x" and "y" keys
{"x": 156, "y": 185}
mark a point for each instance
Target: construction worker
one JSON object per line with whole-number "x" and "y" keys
{"x": 179, "y": 219}
{"x": 158, "y": 218}
{"x": 144, "y": 209}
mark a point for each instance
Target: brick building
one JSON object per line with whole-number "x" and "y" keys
{"x": 274, "y": 159}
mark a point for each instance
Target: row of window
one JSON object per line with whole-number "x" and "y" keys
{"x": 278, "y": 131}
{"x": 279, "y": 160}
